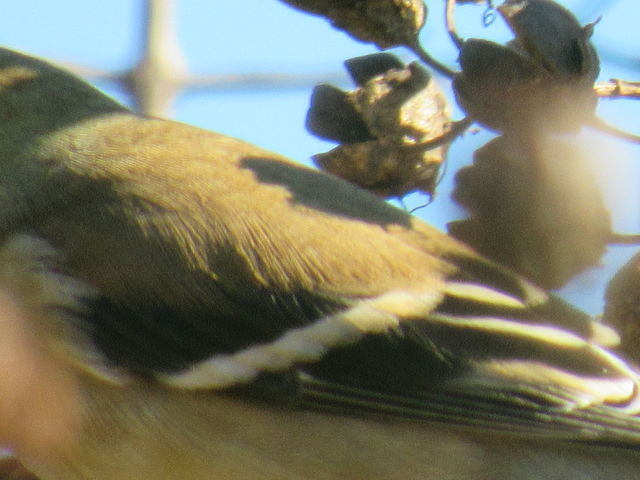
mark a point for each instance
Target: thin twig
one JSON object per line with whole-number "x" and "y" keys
{"x": 450, "y": 22}
{"x": 600, "y": 125}
{"x": 423, "y": 55}
{"x": 616, "y": 88}
{"x": 623, "y": 239}
{"x": 457, "y": 128}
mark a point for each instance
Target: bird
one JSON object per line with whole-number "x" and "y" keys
{"x": 179, "y": 304}
{"x": 11, "y": 469}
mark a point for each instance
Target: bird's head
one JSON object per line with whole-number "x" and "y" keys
{"x": 38, "y": 98}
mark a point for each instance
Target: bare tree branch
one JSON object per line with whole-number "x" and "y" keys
{"x": 616, "y": 88}
{"x": 451, "y": 24}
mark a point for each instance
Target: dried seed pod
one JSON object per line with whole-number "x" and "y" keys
{"x": 553, "y": 37}
{"x": 541, "y": 81}
{"x": 385, "y": 125}
{"x": 622, "y": 308}
{"x": 364, "y": 68}
{"x": 405, "y": 106}
{"x": 499, "y": 87}
{"x": 386, "y": 169}
{"x": 333, "y": 116}
{"x": 386, "y": 23}
{"x": 537, "y": 210}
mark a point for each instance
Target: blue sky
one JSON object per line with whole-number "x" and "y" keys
{"x": 266, "y": 36}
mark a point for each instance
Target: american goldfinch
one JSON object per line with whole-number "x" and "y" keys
{"x": 189, "y": 306}
{"x": 11, "y": 469}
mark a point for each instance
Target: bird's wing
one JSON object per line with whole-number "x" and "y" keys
{"x": 395, "y": 356}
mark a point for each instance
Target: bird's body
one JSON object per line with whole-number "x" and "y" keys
{"x": 148, "y": 435}
{"x": 239, "y": 316}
